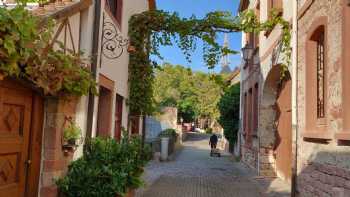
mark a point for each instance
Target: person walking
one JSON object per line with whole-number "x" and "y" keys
{"x": 213, "y": 141}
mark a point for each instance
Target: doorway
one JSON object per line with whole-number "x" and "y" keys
{"x": 21, "y": 120}
{"x": 118, "y": 117}
{"x": 283, "y": 144}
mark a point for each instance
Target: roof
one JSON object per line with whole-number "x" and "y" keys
{"x": 57, "y": 11}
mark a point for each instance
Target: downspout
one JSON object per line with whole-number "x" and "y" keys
{"x": 295, "y": 98}
{"x": 95, "y": 43}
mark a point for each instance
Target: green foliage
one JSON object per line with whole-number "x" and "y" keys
{"x": 168, "y": 133}
{"x": 229, "y": 112}
{"x": 195, "y": 94}
{"x": 108, "y": 168}
{"x": 25, "y": 52}
{"x": 72, "y": 132}
{"x": 150, "y": 29}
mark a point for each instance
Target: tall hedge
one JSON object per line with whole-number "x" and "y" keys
{"x": 229, "y": 112}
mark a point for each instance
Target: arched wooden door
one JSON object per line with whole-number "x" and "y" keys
{"x": 284, "y": 131}
{"x": 19, "y": 156}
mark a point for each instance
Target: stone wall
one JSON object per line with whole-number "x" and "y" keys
{"x": 324, "y": 180}
{"x": 267, "y": 162}
{"x": 250, "y": 157}
{"x": 54, "y": 160}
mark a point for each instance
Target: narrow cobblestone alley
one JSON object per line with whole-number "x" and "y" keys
{"x": 194, "y": 173}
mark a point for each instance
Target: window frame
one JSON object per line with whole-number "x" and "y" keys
{"x": 118, "y": 15}
{"x": 315, "y": 128}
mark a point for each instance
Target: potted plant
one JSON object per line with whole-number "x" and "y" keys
{"x": 71, "y": 135}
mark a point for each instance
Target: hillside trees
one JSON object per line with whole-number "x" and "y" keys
{"x": 193, "y": 93}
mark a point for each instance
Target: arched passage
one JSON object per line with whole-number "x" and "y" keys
{"x": 275, "y": 128}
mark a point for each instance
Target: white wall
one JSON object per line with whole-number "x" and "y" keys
{"x": 117, "y": 69}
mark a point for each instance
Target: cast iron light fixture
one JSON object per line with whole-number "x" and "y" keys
{"x": 248, "y": 52}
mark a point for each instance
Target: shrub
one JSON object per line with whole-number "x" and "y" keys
{"x": 168, "y": 133}
{"x": 107, "y": 169}
{"x": 229, "y": 112}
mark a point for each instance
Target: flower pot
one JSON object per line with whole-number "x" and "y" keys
{"x": 130, "y": 193}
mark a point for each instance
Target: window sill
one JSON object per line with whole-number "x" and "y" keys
{"x": 318, "y": 135}
{"x": 345, "y": 136}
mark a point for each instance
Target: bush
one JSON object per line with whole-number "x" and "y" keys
{"x": 171, "y": 133}
{"x": 107, "y": 169}
{"x": 229, "y": 112}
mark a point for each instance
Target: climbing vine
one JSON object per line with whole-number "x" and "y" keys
{"x": 151, "y": 29}
{"x": 26, "y": 52}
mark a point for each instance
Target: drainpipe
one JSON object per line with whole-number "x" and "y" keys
{"x": 295, "y": 98}
{"x": 95, "y": 43}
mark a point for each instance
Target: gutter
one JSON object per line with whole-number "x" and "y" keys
{"x": 95, "y": 43}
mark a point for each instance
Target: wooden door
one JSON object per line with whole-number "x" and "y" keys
{"x": 15, "y": 131}
{"x": 118, "y": 117}
{"x": 284, "y": 131}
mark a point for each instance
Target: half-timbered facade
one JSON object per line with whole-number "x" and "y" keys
{"x": 32, "y": 155}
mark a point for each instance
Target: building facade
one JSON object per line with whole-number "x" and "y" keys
{"x": 323, "y": 98}
{"x": 32, "y": 153}
{"x": 295, "y": 126}
{"x": 264, "y": 100}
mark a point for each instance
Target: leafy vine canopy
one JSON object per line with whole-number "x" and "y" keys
{"x": 26, "y": 52}
{"x": 151, "y": 29}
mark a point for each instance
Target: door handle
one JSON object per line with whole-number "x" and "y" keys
{"x": 28, "y": 162}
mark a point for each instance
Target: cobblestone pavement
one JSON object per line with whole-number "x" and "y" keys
{"x": 195, "y": 174}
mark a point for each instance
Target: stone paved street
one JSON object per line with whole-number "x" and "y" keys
{"x": 194, "y": 173}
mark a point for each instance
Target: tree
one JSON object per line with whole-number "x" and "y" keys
{"x": 229, "y": 112}
{"x": 193, "y": 93}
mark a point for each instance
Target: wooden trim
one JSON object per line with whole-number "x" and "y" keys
{"x": 106, "y": 82}
{"x": 112, "y": 17}
{"x": 71, "y": 10}
{"x": 34, "y": 155}
{"x": 304, "y": 8}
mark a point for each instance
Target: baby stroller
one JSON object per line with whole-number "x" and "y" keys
{"x": 215, "y": 152}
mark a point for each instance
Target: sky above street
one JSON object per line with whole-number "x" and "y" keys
{"x": 199, "y": 8}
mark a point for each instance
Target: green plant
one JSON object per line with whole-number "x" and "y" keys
{"x": 168, "y": 133}
{"x": 229, "y": 112}
{"x": 150, "y": 29}
{"x": 107, "y": 169}
{"x": 26, "y": 52}
{"x": 72, "y": 132}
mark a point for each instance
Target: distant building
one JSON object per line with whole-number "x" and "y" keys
{"x": 225, "y": 62}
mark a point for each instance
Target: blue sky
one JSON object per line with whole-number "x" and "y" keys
{"x": 199, "y": 8}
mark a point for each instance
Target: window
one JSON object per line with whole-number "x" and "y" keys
{"x": 320, "y": 75}
{"x": 118, "y": 117}
{"x": 116, "y": 8}
{"x": 245, "y": 117}
{"x": 105, "y": 104}
{"x": 256, "y": 108}
{"x": 315, "y": 54}
{"x": 276, "y": 5}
